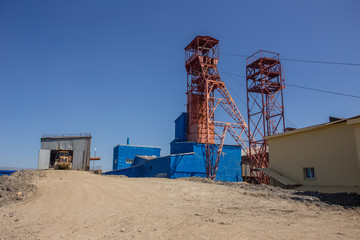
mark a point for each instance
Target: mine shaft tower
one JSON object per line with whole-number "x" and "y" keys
{"x": 265, "y": 84}
{"x": 205, "y": 94}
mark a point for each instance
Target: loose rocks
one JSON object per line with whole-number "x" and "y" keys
{"x": 345, "y": 200}
{"x": 18, "y": 186}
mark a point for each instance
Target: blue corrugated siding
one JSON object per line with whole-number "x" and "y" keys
{"x": 135, "y": 171}
{"x": 181, "y": 147}
{"x": 194, "y": 165}
{"x": 123, "y": 152}
{"x": 187, "y": 165}
{"x": 6, "y": 172}
{"x": 138, "y": 161}
{"x": 230, "y": 165}
{"x": 186, "y": 159}
{"x": 115, "y": 158}
{"x": 181, "y": 128}
{"x": 158, "y": 167}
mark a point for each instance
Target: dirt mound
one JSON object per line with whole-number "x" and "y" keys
{"x": 18, "y": 186}
{"x": 346, "y": 200}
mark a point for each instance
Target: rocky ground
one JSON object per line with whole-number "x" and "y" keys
{"x": 18, "y": 186}
{"x": 81, "y": 205}
{"x": 329, "y": 200}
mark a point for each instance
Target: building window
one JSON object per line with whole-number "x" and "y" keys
{"x": 129, "y": 161}
{"x": 309, "y": 173}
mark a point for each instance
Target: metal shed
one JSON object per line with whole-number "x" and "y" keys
{"x": 79, "y": 145}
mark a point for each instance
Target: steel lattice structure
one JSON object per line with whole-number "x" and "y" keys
{"x": 205, "y": 94}
{"x": 265, "y": 86}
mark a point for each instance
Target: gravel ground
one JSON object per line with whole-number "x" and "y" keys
{"x": 18, "y": 186}
{"x": 81, "y": 205}
{"x": 329, "y": 200}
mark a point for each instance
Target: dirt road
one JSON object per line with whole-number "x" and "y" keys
{"x": 80, "y": 205}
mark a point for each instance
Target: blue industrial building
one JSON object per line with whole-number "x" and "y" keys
{"x": 186, "y": 159}
{"x": 6, "y": 172}
{"x": 124, "y": 154}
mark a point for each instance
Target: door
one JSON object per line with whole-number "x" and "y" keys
{"x": 78, "y": 160}
{"x": 44, "y": 159}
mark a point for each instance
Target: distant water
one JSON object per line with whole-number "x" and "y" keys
{"x": 13, "y": 168}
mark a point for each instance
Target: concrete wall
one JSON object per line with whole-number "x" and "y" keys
{"x": 79, "y": 145}
{"x": 331, "y": 150}
{"x": 355, "y": 123}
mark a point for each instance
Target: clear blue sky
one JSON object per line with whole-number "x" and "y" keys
{"x": 116, "y": 69}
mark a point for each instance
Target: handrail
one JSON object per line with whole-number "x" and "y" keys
{"x": 66, "y": 135}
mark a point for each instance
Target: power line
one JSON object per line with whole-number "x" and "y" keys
{"x": 234, "y": 54}
{"x": 291, "y": 85}
{"x": 236, "y": 80}
{"x": 323, "y": 62}
{"x": 309, "y": 116}
{"x": 297, "y": 86}
{"x": 237, "y": 96}
{"x": 290, "y": 122}
{"x": 325, "y": 91}
{"x": 231, "y": 76}
{"x": 300, "y": 60}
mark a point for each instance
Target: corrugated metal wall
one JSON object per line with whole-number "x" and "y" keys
{"x": 124, "y": 152}
{"x": 79, "y": 145}
{"x": 230, "y": 165}
{"x": 158, "y": 167}
{"x": 135, "y": 171}
{"x": 186, "y": 159}
{"x": 78, "y": 159}
{"x": 194, "y": 165}
{"x": 186, "y": 165}
{"x": 181, "y": 128}
{"x": 44, "y": 159}
{"x": 181, "y": 147}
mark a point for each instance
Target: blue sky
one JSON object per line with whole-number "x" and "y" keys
{"x": 115, "y": 69}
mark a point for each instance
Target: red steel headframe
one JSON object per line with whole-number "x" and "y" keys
{"x": 265, "y": 84}
{"x": 206, "y": 92}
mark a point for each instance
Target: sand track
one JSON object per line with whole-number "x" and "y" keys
{"x": 80, "y": 205}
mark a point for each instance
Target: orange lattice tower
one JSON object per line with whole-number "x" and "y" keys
{"x": 265, "y": 84}
{"x": 205, "y": 93}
